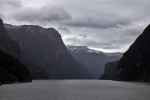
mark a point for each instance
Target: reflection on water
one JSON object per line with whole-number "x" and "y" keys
{"x": 75, "y": 90}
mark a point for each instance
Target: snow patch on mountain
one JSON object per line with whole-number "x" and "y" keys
{"x": 85, "y": 49}
{"x": 81, "y": 49}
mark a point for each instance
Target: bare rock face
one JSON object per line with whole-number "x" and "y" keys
{"x": 135, "y": 63}
{"x": 44, "y": 47}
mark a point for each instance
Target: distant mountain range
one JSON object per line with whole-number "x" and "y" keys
{"x": 135, "y": 63}
{"x": 44, "y": 53}
{"x": 94, "y": 60}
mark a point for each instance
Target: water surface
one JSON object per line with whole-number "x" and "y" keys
{"x": 75, "y": 90}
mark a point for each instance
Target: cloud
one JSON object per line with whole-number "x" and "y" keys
{"x": 7, "y": 7}
{"x": 108, "y": 24}
{"x": 95, "y": 21}
{"x": 63, "y": 28}
{"x": 6, "y": 4}
{"x": 104, "y": 24}
{"x": 1, "y": 16}
{"x": 45, "y": 14}
{"x": 83, "y": 36}
{"x": 116, "y": 39}
{"x": 105, "y": 13}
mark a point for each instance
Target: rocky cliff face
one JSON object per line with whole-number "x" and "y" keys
{"x": 11, "y": 69}
{"x": 110, "y": 72}
{"x": 135, "y": 63}
{"x": 44, "y": 47}
{"x": 94, "y": 60}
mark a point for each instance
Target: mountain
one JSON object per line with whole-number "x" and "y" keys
{"x": 135, "y": 63}
{"x": 94, "y": 60}
{"x": 37, "y": 71}
{"x": 6, "y": 43}
{"x": 44, "y": 47}
{"x": 11, "y": 69}
{"x": 12, "y": 47}
{"x": 110, "y": 72}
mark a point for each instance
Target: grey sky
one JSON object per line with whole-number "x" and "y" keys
{"x": 107, "y": 25}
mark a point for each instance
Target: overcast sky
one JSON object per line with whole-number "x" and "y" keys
{"x": 107, "y": 25}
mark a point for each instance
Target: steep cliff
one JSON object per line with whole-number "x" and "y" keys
{"x": 110, "y": 72}
{"x": 44, "y": 47}
{"x": 11, "y": 69}
{"x": 135, "y": 63}
{"x": 6, "y": 43}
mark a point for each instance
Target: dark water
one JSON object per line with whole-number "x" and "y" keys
{"x": 75, "y": 90}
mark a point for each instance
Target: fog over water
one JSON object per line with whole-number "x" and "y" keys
{"x": 75, "y": 90}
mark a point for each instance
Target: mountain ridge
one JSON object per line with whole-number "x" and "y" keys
{"x": 44, "y": 47}
{"x": 135, "y": 65}
{"x": 94, "y": 60}
{"x": 11, "y": 69}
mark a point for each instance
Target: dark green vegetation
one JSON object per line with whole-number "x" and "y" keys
{"x": 11, "y": 70}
